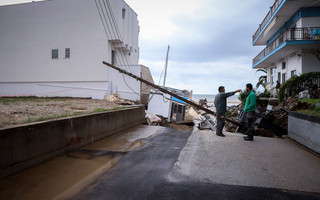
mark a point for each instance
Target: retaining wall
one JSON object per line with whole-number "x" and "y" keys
{"x": 28, "y": 145}
{"x": 305, "y": 130}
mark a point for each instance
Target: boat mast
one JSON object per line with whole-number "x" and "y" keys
{"x": 166, "y": 67}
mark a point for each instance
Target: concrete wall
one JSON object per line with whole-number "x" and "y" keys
{"x": 26, "y": 146}
{"x": 305, "y": 130}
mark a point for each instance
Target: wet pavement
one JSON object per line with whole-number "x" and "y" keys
{"x": 67, "y": 175}
{"x": 175, "y": 166}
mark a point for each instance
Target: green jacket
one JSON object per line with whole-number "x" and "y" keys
{"x": 220, "y": 101}
{"x": 250, "y": 102}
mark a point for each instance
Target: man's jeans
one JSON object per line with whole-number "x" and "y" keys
{"x": 220, "y": 122}
{"x": 251, "y": 118}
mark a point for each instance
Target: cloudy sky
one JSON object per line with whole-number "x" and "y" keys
{"x": 210, "y": 41}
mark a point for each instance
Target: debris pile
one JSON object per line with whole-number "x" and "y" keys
{"x": 118, "y": 100}
{"x": 279, "y": 114}
{"x": 206, "y": 122}
{"x": 152, "y": 119}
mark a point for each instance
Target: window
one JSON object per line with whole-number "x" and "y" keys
{"x": 123, "y": 13}
{"x": 272, "y": 80}
{"x": 113, "y": 57}
{"x": 293, "y": 73}
{"x": 67, "y": 53}
{"x": 283, "y": 65}
{"x": 279, "y": 76}
{"x": 54, "y": 54}
{"x": 283, "y": 78}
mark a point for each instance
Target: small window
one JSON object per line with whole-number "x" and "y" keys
{"x": 283, "y": 78}
{"x": 67, "y": 53}
{"x": 283, "y": 65}
{"x": 113, "y": 57}
{"x": 123, "y": 13}
{"x": 54, "y": 54}
{"x": 293, "y": 73}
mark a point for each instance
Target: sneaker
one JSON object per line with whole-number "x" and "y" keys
{"x": 220, "y": 134}
{"x": 248, "y": 138}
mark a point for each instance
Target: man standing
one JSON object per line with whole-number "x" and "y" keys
{"x": 220, "y": 102}
{"x": 249, "y": 110}
{"x": 278, "y": 86}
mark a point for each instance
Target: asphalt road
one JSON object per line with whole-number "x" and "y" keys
{"x": 149, "y": 173}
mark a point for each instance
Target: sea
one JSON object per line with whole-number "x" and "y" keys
{"x": 233, "y": 100}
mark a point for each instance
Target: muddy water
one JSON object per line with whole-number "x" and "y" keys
{"x": 66, "y": 175}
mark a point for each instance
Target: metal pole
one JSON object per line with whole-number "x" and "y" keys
{"x": 165, "y": 67}
{"x": 167, "y": 92}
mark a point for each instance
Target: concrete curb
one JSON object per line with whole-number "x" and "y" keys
{"x": 25, "y": 146}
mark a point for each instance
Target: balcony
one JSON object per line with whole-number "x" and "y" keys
{"x": 273, "y": 9}
{"x": 291, "y": 34}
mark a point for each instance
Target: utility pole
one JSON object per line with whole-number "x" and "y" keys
{"x": 166, "y": 67}
{"x": 168, "y": 92}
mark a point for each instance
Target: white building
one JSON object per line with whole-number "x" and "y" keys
{"x": 56, "y": 48}
{"x": 291, "y": 34}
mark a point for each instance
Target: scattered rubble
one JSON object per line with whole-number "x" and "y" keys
{"x": 152, "y": 119}
{"x": 118, "y": 100}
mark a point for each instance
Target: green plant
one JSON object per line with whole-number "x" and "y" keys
{"x": 264, "y": 94}
{"x": 243, "y": 96}
{"x": 310, "y": 112}
{"x": 107, "y": 109}
{"x": 296, "y": 84}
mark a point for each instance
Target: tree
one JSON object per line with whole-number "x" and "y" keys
{"x": 262, "y": 79}
{"x": 316, "y": 52}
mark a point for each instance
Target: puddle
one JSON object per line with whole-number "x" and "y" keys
{"x": 66, "y": 175}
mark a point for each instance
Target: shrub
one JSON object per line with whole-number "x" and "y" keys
{"x": 297, "y": 84}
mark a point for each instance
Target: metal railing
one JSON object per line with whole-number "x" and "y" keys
{"x": 305, "y": 33}
{"x": 273, "y": 9}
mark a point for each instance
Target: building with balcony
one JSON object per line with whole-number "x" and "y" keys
{"x": 291, "y": 33}
{"x": 56, "y": 48}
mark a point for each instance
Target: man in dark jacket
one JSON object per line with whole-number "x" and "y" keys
{"x": 220, "y": 102}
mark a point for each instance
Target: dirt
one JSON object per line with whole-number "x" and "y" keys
{"x": 17, "y": 111}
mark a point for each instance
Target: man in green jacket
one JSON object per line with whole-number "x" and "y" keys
{"x": 220, "y": 102}
{"x": 249, "y": 110}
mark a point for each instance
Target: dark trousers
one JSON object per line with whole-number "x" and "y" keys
{"x": 220, "y": 122}
{"x": 250, "y": 116}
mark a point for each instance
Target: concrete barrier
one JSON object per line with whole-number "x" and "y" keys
{"x": 28, "y": 145}
{"x": 305, "y": 130}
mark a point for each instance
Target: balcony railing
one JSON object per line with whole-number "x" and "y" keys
{"x": 306, "y": 33}
{"x": 273, "y": 9}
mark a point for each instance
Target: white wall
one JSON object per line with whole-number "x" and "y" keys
{"x": 158, "y": 105}
{"x": 30, "y": 31}
{"x": 293, "y": 62}
{"x": 310, "y": 63}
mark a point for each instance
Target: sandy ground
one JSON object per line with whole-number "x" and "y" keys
{"x": 15, "y": 111}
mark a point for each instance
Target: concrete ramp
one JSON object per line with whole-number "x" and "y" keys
{"x": 266, "y": 162}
